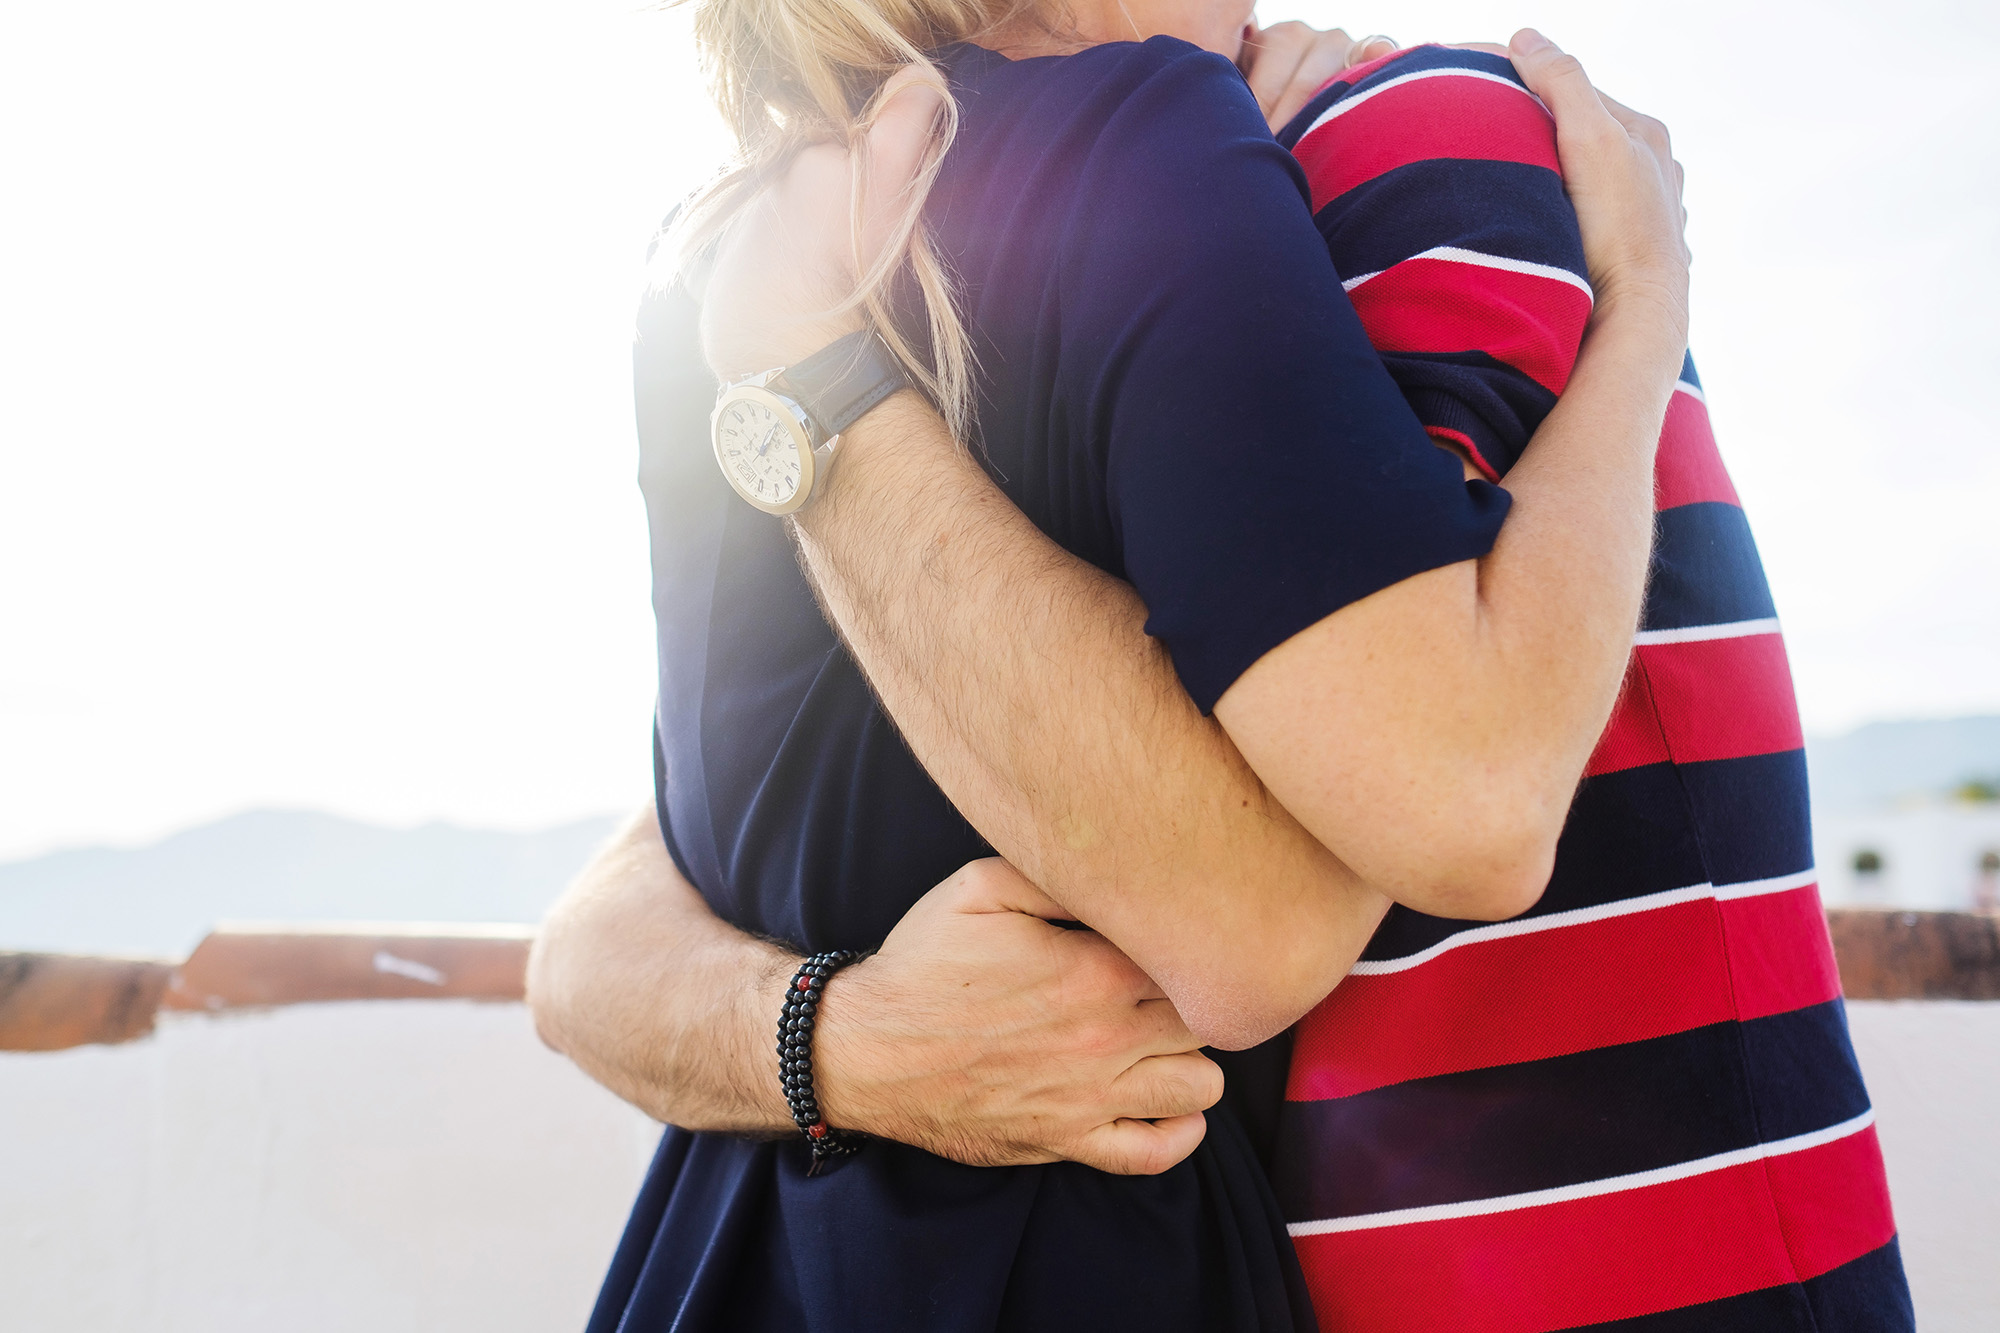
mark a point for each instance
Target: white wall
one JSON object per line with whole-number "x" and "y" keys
{"x": 1930, "y": 856}
{"x": 390, "y": 1167}
{"x": 1933, "y": 1069}
{"x": 383, "y": 1166}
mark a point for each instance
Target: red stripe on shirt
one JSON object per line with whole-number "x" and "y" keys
{"x": 1567, "y": 989}
{"x": 1517, "y": 998}
{"x": 1446, "y": 115}
{"x": 1467, "y": 443}
{"x": 1834, "y": 1201}
{"x": 1780, "y": 955}
{"x": 1439, "y": 305}
{"x": 1689, "y": 469}
{"x": 1615, "y": 1256}
{"x": 1632, "y": 739}
{"x": 1723, "y": 698}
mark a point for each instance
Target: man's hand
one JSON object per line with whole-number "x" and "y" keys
{"x": 1287, "y": 63}
{"x": 979, "y": 1031}
{"x": 983, "y": 1033}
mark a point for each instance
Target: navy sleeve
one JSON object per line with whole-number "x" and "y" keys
{"x": 1264, "y": 469}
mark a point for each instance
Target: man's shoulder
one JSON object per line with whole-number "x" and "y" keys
{"x": 1103, "y": 101}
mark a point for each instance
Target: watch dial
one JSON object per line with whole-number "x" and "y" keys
{"x": 759, "y": 450}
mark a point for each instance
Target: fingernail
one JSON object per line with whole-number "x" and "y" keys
{"x": 1527, "y": 39}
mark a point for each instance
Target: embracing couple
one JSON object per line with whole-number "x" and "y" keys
{"x": 1224, "y": 759}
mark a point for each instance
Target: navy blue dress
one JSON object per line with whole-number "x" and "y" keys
{"x": 1175, "y": 388}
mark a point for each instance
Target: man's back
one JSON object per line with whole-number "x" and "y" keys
{"x": 1639, "y": 1097}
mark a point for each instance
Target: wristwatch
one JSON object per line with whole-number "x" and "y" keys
{"x": 775, "y": 433}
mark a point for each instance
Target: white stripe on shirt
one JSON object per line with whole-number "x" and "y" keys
{"x": 1508, "y": 1203}
{"x": 1531, "y": 925}
{"x": 1452, "y": 254}
{"x": 1735, "y": 629}
{"x": 1346, "y": 105}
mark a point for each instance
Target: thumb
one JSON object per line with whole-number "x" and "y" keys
{"x": 992, "y": 885}
{"x": 1141, "y": 1147}
{"x": 900, "y": 133}
{"x": 1558, "y": 78}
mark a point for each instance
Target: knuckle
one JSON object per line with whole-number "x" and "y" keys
{"x": 1565, "y": 66}
{"x": 1099, "y": 1041}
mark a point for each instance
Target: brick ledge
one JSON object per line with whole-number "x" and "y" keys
{"x": 50, "y": 1002}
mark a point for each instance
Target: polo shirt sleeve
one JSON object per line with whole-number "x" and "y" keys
{"x": 1263, "y": 469}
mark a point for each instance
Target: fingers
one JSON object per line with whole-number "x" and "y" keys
{"x": 1163, "y": 1086}
{"x": 992, "y": 885}
{"x": 1272, "y": 58}
{"x": 1140, "y": 1147}
{"x": 1372, "y": 48}
{"x": 1324, "y": 59}
{"x": 1559, "y": 80}
{"x": 900, "y": 131}
{"x": 1288, "y": 62}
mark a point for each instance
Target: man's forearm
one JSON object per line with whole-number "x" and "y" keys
{"x": 654, "y": 996}
{"x": 1024, "y": 680}
{"x": 977, "y": 1031}
{"x": 1436, "y": 745}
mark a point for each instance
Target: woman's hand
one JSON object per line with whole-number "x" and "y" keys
{"x": 1287, "y": 63}
{"x": 983, "y": 1033}
{"x": 1621, "y": 175}
{"x": 778, "y": 287}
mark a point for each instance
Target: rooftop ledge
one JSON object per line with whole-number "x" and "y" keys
{"x": 52, "y": 1001}
{"x": 49, "y": 1002}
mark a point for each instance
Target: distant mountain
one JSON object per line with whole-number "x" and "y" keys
{"x": 288, "y": 865}
{"x": 1875, "y": 766}
{"x": 284, "y": 865}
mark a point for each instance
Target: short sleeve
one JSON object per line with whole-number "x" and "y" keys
{"x": 1263, "y": 469}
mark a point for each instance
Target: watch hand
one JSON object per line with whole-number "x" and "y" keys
{"x": 769, "y": 436}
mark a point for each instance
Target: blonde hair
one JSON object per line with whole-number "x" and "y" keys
{"x": 788, "y": 74}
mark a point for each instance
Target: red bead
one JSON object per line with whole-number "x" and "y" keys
{"x": 817, "y": 1129}
{"x": 805, "y": 983}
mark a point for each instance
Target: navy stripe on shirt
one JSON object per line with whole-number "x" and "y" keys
{"x": 1569, "y": 1119}
{"x": 1864, "y": 1295}
{"x": 1705, "y": 569}
{"x": 1629, "y": 835}
{"x": 1511, "y": 210}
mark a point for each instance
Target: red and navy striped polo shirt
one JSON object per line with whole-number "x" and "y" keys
{"x": 1635, "y": 1105}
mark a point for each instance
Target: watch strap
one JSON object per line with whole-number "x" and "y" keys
{"x": 840, "y": 382}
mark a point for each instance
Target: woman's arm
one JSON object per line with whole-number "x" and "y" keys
{"x": 1431, "y": 734}
{"x": 1073, "y": 1053}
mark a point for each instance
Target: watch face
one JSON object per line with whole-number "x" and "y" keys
{"x": 763, "y": 450}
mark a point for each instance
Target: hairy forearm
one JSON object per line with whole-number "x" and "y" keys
{"x": 1024, "y": 680}
{"x": 657, "y": 998}
{"x": 1560, "y": 594}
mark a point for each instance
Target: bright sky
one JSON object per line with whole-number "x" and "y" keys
{"x": 315, "y": 441}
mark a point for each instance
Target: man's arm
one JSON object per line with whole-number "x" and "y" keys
{"x": 978, "y": 1031}
{"x": 1432, "y": 734}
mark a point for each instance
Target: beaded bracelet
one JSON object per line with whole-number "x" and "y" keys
{"x": 795, "y": 1028}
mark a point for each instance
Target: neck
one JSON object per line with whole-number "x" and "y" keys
{"x": 1084, "y": 23}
